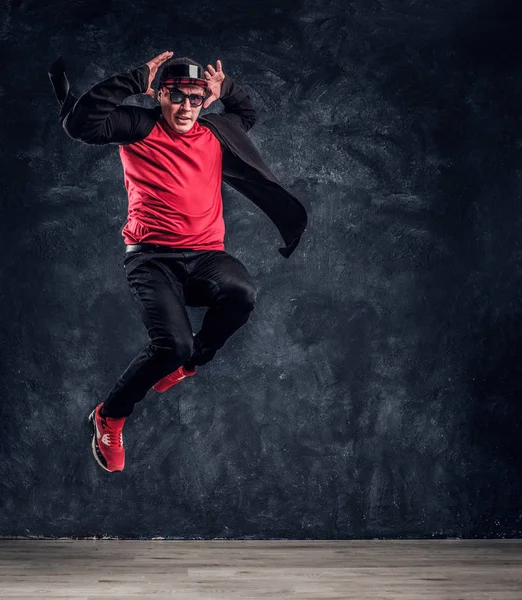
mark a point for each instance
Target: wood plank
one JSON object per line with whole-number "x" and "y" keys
{"x": 282, "y": 569}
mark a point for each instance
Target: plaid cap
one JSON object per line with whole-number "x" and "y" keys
{"x": 183, "y": 71}
{"x": 185, "y": 81}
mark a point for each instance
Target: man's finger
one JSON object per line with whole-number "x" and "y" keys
{"x": 219, "y": 65}
{"x": 166, "y": 56}
{"x": 155, "y": 63}
{"x": 161, "y": 58}
{"x": 211, "y": 69}
{"x": 209, "y": 100}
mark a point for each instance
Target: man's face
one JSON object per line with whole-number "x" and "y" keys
{"x": 180, "y": 117}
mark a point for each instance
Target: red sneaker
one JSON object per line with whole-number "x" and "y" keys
{"x": 173, "y": 378}
{"x": 107, "y": 440}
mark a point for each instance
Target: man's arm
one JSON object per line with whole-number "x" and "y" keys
{"x": 99, "y": 117}
{"x": 238, "y": 106}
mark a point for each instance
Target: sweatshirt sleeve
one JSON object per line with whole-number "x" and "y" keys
{"x": 239, "y": 108}
{"x": 98, "y": 117}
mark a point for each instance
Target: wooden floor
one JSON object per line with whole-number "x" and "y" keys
{"x": 189, "y": 570}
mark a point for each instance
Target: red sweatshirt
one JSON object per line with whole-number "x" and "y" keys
{"x": 173, "y": 182}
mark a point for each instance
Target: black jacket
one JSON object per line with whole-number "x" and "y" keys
{"x": 99, "y": 117}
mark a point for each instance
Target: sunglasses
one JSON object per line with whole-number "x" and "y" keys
{"x": 178, "y": 97}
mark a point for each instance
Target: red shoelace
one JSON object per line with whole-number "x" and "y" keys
{"x": 114, "y": 433}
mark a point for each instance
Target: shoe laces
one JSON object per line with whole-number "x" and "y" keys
{"x": 114, "y": 433}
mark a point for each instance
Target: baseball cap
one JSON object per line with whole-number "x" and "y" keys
{"x": 182, "y": 71}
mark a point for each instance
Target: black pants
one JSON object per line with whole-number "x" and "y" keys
{"x": 163, "y": 284}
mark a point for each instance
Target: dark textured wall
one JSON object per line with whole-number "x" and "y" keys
{"x": 376, "y": 389}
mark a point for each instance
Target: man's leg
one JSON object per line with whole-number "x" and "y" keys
{"x": 221, "y": 282}
{"x": 159, "y": 294}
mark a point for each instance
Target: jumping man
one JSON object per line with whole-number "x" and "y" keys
{"x": 174, "y": 162}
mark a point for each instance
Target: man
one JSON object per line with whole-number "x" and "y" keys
{"x": 174, "y": 162}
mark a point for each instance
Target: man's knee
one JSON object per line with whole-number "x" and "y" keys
{"x": 173, "y": 351}
{"x": 245, "y": 294}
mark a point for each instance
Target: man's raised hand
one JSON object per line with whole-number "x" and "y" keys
{"x": 154, "y": 65}
{"x": 214, "y": 79}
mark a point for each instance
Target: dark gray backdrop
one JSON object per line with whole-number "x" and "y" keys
{"x": 375, "y": 392}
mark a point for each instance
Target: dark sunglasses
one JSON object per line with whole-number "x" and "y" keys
{"x": 178, "y": 97}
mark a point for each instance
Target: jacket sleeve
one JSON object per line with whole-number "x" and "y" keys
{"x": 238, "y": 106}
{"x": 98, "y": 117}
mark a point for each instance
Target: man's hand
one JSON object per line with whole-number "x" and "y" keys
{"x": 154, "y": 65}
{"x": 214, "y": 79}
